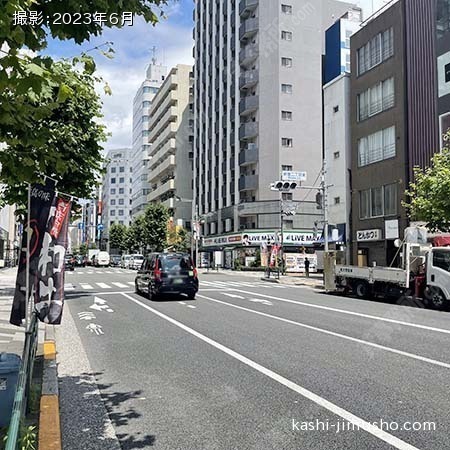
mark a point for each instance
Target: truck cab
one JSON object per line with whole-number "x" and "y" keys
{"x": 437, "y": 290}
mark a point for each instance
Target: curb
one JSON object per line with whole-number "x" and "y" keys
{"x": 49, "y": 420}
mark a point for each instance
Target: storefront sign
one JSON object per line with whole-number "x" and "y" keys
{"x": 253, "y": 239}
{"x": 368, "y": 235}
{"x": 391, "y": 229}
{"x": 222, "y": 240}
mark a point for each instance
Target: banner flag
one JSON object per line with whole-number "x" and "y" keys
{"x": 49, "y": 297}
{"x": 41, "y": 199}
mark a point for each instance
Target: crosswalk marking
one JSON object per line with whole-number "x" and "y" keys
{"x": 103, "y": 285}
{"x": 69, "y": 287}
{"x": 121, "y": 285}
{"x": 131, "y": 283}
{"x": 86, "y": 286}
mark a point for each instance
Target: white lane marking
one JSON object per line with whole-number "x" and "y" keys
{"x": 79, "y": 273}
{"x": 109, "y": 271}
{"x": 107, "y": 293}
{"x": 103, "y": 285}
{"x": 260, "y": 300}
{"x": 94, "y": 328}
{"x": 234, "y": 296}
{"x": 86, "y": 286}
{"x": 191, "y": 306}
{"x": 130, "y": 283}
{"x": 212, "y": 289}
{"x": 332, "y": 333}
{"x": 351, "y": 313}
{"x": 90, "y": 272}
{"x": 181, "y": 303}
{"x": 346, "y": 415}
{"x": 69, "y": 287}
{"x": 121, "y": 285}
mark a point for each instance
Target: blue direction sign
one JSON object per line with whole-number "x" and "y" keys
{"x": 100, "y": 227}
{"x": 81, "y": 226}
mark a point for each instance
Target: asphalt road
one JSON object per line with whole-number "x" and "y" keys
{"x": 248, "y": 365}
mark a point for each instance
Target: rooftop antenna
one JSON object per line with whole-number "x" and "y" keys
{"x": 153, "y": 50}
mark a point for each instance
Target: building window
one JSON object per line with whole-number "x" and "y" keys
{"x": 447, "y": 73}
{"x": 112, "y": 212}
{"x": 121, "y": 180}
{"x": 145, "y": 133}
{"x": 112, "y": 191}
{"x": 111, "y": 223}
{"x": 121, "y": 212}
{"x": 121, "y": 190}
{"x": 336, "y": 155}
{"x": 113, "y": 181}
{"x": 286, "y": 62}
{"x": 113, "y": 202}
{"x": 287, "y": 168}
{"x": 287, "y": 142}
{"x": 376, "y": 99}
{"x": 337, "y": 200}
{"x": 286, "y": 88}
{"x": 286, "y": 9}
{"x": 286, "y": 115}
{"x": 348, "y": 34}
{"x": 113, "y": 170}
{"x": 121, "y": 169}
{"x": 121, "y": 201}
{"x": 377, "y": 50}
{"x": 287, "y": 195}
{"x": 149, "y": 89}
{"x": 286, "y": 35}
{"x": 378, "y": 202}
{"x": 146, "y": 104}
{"x": 376, "y": 147}
{"x": 120, "y": 222}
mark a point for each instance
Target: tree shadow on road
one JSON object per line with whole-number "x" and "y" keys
{"x": 93, "y": 413}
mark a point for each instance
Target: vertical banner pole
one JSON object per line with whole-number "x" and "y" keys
{"x": 27, "y": 274}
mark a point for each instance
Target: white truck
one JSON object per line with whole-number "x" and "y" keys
{"x": 425, "y": 275}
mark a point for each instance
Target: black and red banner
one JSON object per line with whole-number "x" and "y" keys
{"x": 48, "y": 225}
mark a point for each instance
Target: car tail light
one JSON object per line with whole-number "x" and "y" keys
{"x": 195, "y": 272}
{"x": 157, "y": 272}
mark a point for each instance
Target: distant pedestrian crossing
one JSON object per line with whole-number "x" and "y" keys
{"x": 94, "y": 271}
{"x": 234, "y": 284}
{"x": 98, "y": 285}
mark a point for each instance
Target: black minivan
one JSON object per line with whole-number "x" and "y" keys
{"x": 167, "y": 273}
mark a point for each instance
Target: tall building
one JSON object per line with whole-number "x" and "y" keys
{"x": 258, "y": 111}
{"x": 171, "y": 136}
{"x": 394, "y": 122}
{"x": 141, "y": 106}
{"x": 116, "y": 190}
{"x": 337, "y": 126}
{"x": 443, "y": 66}
{"x": 9, "y": 241}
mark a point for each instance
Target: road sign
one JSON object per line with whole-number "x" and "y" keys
{"x": 100, "y": 227}
{"x": 289, "y": 175}
{"x": 81, "y": 226}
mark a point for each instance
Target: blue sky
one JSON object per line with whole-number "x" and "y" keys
{"x": 173, "y": 39}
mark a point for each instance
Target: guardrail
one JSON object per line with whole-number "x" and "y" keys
{"x": 21, "y": 396}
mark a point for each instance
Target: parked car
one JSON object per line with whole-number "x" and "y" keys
{"x": 136, "y": 261}
{"x": 114, "y": 260}
{"x": 167, "y": 273}
{"x": 80, "y": 261}
{"x": 69, "y": 262}
{"x": 102, "y": 259}
{"x": 125, "y": 261}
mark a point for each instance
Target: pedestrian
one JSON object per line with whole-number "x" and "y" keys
{"x": 307, "y": 267}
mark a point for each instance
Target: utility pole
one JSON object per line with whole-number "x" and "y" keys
{"x": 325, "y": 204}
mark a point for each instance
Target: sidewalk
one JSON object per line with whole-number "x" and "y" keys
{"x": 11, "y": 337}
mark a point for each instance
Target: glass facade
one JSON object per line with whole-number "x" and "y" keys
{"x": 443, "y": 17}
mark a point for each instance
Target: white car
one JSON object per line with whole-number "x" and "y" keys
{"x": 125, "y": 261}
{"x": 102, "y": 259}
{"x": 136, "y": 261}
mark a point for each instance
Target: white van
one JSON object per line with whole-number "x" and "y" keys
{"x": 102, "y": 259}
{"x": 125, "y": 261}
{"x": 136, "y": 261}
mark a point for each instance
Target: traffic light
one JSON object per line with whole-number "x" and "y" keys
{"x": 283, "y": 186}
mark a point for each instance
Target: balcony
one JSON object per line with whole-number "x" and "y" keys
{"x": 246, "y": 7}
{"x": 248, "y": 105}
{"x": 158, "y": 127}
{"x": 248, "y": 130}
{"x": 157, "y": 111}
{"x": 248, "y": 55}
{"x": 248, "y": 182}
{"x": 167, "y": 134}
{"x": 168, "y": 149}
{"x": 168, "y": 186}
{"x": 249, "y": 155}
{"x": 248, "y": 28}
{"x": 160, "y": 170}
{"x": 248, "y": 79}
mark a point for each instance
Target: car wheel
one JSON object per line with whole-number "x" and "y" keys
{"x": 136, "y": 289}
{"x": 435, "y": 297}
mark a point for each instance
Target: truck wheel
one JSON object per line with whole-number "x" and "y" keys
{"x": 435, "y": 297}
{"x": 361, "y": 289}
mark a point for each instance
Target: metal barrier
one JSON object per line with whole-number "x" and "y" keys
{"x": 23, "y": 384}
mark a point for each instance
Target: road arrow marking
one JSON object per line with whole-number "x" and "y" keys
{"x": 260, "y": 300}
{"x": 86, "y": 315}
{"x": 234, "y": 296}
{"x": 94, "y": 328}
{"x": 99, "y": 301}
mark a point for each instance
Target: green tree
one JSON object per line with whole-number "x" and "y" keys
{"x": 134, "y": 237}
{"x": 48, "y": 109}
{"x": 429, "y": 194}
{"x": 155, "y": 219}
{"x": 118, "y": 237}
